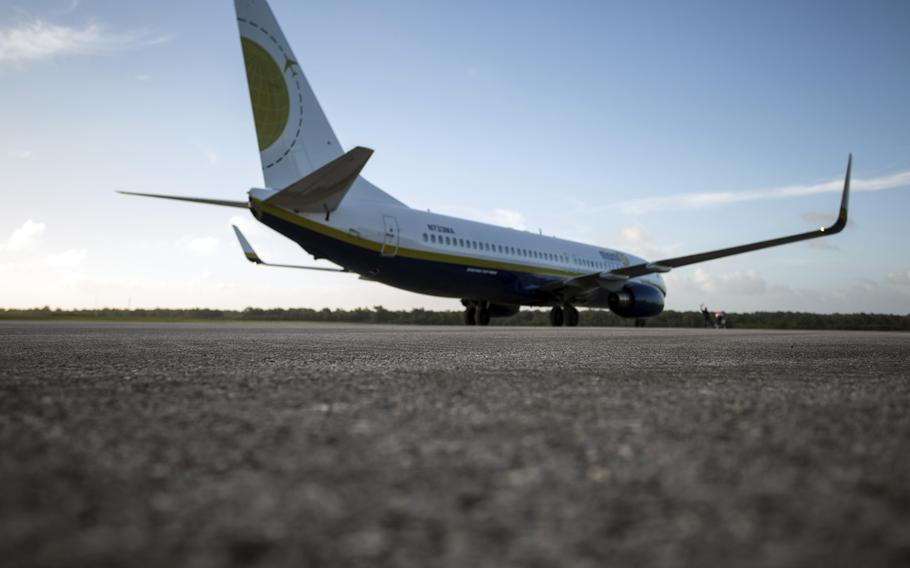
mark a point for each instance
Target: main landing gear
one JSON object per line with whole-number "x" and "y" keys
{"x": 567, "y": 316}
{"x": 477, "y": 314}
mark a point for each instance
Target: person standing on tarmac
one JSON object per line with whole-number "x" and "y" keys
{"x": 720, "y": 319}
{"x": 709, "y": 321}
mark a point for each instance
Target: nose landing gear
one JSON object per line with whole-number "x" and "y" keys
{"x": 476, "y": 314}
{"x": 556, "y": 316}
{"x": 482, "y": 314}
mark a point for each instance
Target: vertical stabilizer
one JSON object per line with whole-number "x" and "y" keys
{"x": 295, "y": 138}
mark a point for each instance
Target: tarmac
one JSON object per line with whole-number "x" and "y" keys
{"x": 340, "y": 445}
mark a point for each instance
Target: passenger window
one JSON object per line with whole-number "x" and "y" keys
{"x": 425, "y": 238}
{"x": 433, "y": 239}
{"x": 448, "y": 241}
{"x": 461, "y": 243}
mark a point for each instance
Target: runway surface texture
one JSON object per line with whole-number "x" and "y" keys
{"x": 339, "y": 445}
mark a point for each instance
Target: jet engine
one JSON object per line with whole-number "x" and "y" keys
{"x": 636, "y": 300}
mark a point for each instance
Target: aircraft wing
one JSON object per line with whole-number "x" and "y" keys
{"x": 611, "y": 278}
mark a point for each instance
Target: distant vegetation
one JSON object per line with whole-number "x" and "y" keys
{"x": 378, "y": 314}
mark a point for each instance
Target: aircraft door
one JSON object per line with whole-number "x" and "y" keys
{"x": 389, "y": 236}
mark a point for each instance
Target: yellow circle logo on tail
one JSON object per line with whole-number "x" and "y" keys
{"x": 269, "y": 93}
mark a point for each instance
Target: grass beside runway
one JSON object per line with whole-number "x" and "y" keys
{"x": 527, "y": 317}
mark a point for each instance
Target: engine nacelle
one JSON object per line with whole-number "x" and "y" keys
{"x": 637, "y": 300}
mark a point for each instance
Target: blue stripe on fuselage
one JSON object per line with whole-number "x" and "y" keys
{"x": 422, "y": 276}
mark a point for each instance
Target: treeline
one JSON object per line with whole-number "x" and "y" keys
{"x": 531, "y": 317}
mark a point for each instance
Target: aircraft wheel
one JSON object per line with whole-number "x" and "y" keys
{"x": 482, "y": 315}
{"x": 470, "y": 317}
{"x": 556, "y": 316}
{"x": 571, "y": 316}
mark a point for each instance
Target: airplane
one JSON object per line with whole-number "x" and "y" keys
{"x": 315, "y": 195}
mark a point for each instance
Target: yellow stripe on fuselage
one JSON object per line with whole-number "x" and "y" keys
{"x": 348, "y": 238}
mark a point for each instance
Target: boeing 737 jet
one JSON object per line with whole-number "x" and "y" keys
{"x": 315, "y": 195}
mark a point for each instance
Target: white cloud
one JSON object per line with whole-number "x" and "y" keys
{"x": 24, "y": 237}
{"x": 635, "y": 240}
{"x": 708, "y": 199}
{"x": 21, "y": 154}
{"x": 143, "y": 77}
{"x": 747, "y": 283}
{"x": 507, "y": 218}
{"x": 632, "y": 236}
{"x": 39, "y": 40}
{"x": 499, "y": 216}
{"x": 199, "y": 245}
{"x": 67, "y": 259}
{"x": 900, "y": 278}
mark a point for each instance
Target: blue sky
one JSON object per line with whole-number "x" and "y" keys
{"x": 661, "y": 128}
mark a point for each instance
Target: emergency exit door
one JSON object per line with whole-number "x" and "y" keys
{"x": 390, "y": 236}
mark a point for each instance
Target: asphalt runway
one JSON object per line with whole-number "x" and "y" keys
{"x": 337, "y": 445}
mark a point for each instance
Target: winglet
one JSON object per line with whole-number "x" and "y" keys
{"x": 247, "y": 248}
{"x": 841, "y": 222}
{"x": 845, "y": 199}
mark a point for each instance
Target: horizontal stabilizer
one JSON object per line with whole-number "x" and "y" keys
{"x": 251, "y": 255}
{"x": 221, "y": 202}
{"x": 323, "y": 190}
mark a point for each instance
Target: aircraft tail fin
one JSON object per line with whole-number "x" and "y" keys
{"x": 295, "y": 137}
